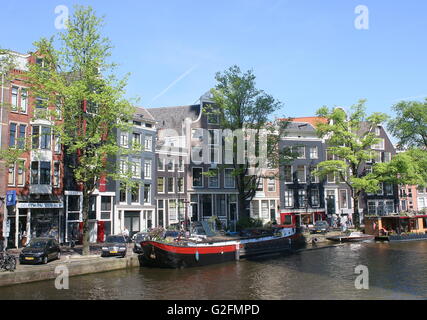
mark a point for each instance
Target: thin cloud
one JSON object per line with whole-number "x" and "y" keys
{"x": 182, "y": 76}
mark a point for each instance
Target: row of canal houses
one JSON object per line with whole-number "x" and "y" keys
{"x": 41, "y": 197}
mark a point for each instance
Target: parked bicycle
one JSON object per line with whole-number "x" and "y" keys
{"x": 7, "y": 262}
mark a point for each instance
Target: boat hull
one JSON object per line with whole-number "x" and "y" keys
{"x": 172, "y": 256}
{"x": 162, "y": 255}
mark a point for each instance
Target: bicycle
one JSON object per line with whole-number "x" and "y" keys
{"x": 7, "y": 262}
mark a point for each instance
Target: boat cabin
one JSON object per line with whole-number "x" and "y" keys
{"x": 396, "y": 225}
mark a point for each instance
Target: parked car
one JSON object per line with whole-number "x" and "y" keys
{"x": 320, "y": 227}
{"x": 40, "y": 250}
{"x": 114, "y": 246}
{"x": 137, "y": 238}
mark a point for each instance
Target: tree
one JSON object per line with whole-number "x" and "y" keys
{"x": 407, "y": 168}
{"x": 349, "y": 138}
{"x": 245, "y": 112}
{"x": 410, "y": 124}
{"x": 78, "y": 81}
{"x": 8, "y": 155}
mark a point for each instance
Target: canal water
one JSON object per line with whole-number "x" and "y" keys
{"x": 396, "y": 271}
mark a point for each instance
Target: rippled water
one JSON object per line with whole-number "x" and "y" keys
{"x": 396, "y": 271}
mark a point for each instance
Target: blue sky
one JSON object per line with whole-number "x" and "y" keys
{"x": 306, "y": 53}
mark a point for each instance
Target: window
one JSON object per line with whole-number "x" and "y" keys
{"x": 260, "y": 186}
{"x": 315, "y": 198}
{"x": 106, "y": 208}
{"x": 181, "y": 209}
{"x": 21, "y": 172}
{"x": 301, "y": 152}
{"x": 264, "y": 209}
{"x": 148, "y": 143}
{"x": 388, "y": 189}
{"x": 57, "y": 142}
{"x": 136, "y": 140}
{"x": 389, "y": 207}
{"x": 314, "y": 153}
{"x": 170, "y": 165}
{"x": 161, "y": 185}
{"x": 171, "y": 182}
{"x": 24, "y": 100}
{"x": 39, "y": 103}
{"x": 288, "y": 174}
{"x": 122, "y": 193}
{"x": 197, "y": 134}
{"x": 73, "y": 203}
{"x": 135, "y": 194}
{"x": 41, "y": 137}
{"x": 379, "y": 145}
{"x": 313, "y": 177}
{"x": 289, "y": 198}
{"x": 147, "y": 193}
{"x": 378, "y": 131}
{"x": 40, "y": 172}
{"x": 172, "y": 211}
{"x": 160, "y": 164}
{"x": 331, "y": 177}
{"x": 197, "y": 154}
{"x": 124, "y": 139}
{"x": 21, "y": 136}
{"x": 12, "y": 134}
{"x": 181, "y": 164}
{"x": 343, "y": 199}
{"x": 387, "y": 156}
{"x": 56, "y": 174}
{"x": 372, "y": 208}
{"x": 213, "y": 118}
{"x": 11, "y": 176}
{"x": 229, "y": 178}
{"x": 44, "y": 173}
{"x": 197, "y": 177}
{"x": 213, "y": 181}
{"x": 147, "y": 169}
{"x": 136, "y": 169}
{"x": 14, "y": 100}
{"x": 45, "y": 138}
{"x": 271, "y": 184}
{"x": 180, "y": 185}
{"x": 302, "y": 199}
{"x": 301, "y": 174}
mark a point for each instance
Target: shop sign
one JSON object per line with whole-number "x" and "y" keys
{"x": 11, "y": 198}
{"x": 23, "y": 205}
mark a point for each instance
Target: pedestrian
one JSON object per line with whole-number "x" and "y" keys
{"x": 126, "y": 233}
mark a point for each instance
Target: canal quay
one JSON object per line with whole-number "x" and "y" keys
{"x": 396, "y": 271}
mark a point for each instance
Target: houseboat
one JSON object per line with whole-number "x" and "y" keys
{"x": 205, "y": 247}
{"x": 397, "y": 227}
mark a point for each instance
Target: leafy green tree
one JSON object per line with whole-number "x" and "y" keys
{"x": 349, "y": 137}
{"x": 84, "y": 102}
{"x": 246, "y": 112}
{"x": 410, "y": 124}
{"x": 407, "y": 168}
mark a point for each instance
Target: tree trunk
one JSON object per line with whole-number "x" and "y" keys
{"x": 85, "y": 213}
{"x": 356, "y": 219}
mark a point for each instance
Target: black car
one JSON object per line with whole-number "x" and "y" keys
{"x": 114, "y": 246}
{"x": 320, "y": 227}
{"x": 137, "y": 239}
{"x": 40, "y": 250}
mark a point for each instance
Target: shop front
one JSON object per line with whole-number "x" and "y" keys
{"x": 29, "y": 218}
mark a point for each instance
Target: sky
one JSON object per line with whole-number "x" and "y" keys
{"x": 305, "y": 53}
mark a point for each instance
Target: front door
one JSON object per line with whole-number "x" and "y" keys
{"x": 132, "y": 222}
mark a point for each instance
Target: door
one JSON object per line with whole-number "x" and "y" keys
{"x": 132, "y": 222}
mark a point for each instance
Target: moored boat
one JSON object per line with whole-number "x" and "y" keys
{"x": 201, "y": 251}
{"x": 352, "y": 237}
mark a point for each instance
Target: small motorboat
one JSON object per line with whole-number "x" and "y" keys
{"x": 352, "y": 237}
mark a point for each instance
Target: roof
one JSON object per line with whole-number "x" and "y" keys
{"x": 142, "y": 112}
{"x": 314, "y": 121}
{"x": 173, "y": 117}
